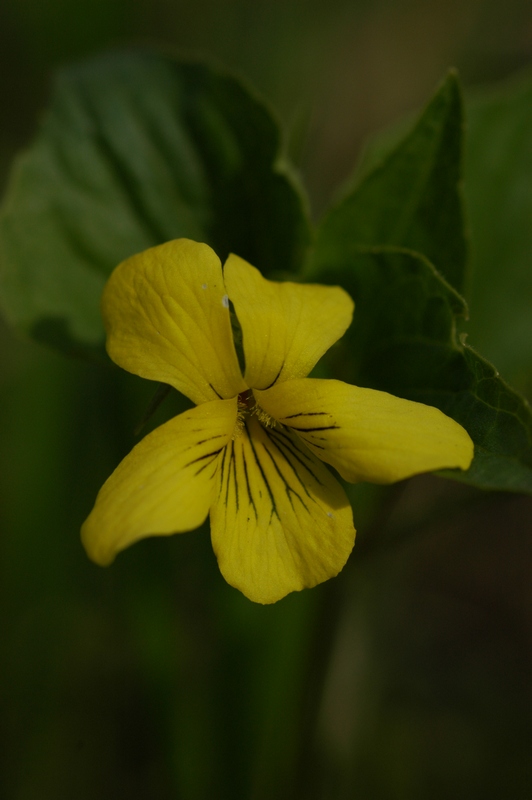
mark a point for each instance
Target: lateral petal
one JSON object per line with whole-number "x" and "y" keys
{"x": 286, "y": 327}
{"x": 167, "y": 319}
{"x": 365, "y": 434}
{"x": 165, "y": 485}
{"x": 280, "y": 521}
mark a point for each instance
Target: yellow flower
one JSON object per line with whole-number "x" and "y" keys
{"x": 252, "y": 450}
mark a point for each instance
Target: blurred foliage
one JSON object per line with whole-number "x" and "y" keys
{"x": 499, "y": 194}
{"x": 412, "y": 198}
{"x": 407, "y": 677}
{"x": 136, "y": 150}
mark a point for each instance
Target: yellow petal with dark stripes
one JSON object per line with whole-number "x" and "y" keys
{"x": 365, "y": 434}
{"x": 167, "y": 319}
{"x": 165, "y": 485}
{"x": 280, "y": 521}
{"x": 286, "y": 327}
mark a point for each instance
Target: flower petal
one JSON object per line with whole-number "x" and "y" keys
{"x": 286, "y": 327}
{"x": 165, "y": 485}
{"x": 281, "y": 522}
{"x": 167, "y": 319}
{"x": 368, "y": 435}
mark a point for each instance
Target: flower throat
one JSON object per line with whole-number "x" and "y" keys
{"x": 247, "y": 404}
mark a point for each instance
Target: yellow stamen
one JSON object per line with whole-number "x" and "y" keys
{"x": 263, "y": 417}
{"x": 247, "y": 404}
{"x": 240, "y": 422}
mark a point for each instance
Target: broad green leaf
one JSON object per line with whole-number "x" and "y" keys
{"x": 411, "y": 197}
{"x": 403, "y": 340}
{"x": 498, "y": 171}
{"x": 137, "y": 149}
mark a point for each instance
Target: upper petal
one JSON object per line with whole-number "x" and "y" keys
{"x": 286, "y": 327}
{"x": 280, "y": 521}
{"x": 165, "y": 485}
{"x": 365, "y": 434}
{"x": 167, "y": 318}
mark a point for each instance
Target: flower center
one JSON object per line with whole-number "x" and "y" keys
{"x": 247, "y": 404}
{"x": 246, "y": 400}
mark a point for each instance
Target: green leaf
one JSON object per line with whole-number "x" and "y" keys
{"x": 137, "y": 149}
{"x": 411, "y": 197}
{"x": 498, "y": 170}
{"x": 403, "y": 340}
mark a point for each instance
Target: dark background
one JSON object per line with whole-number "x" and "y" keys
{"x": 408, "y": 678}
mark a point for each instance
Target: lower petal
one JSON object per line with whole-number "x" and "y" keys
{"x": 365, "y": 434}
{"x": 280, "y": 521}
{"x": 165, "y": 485}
